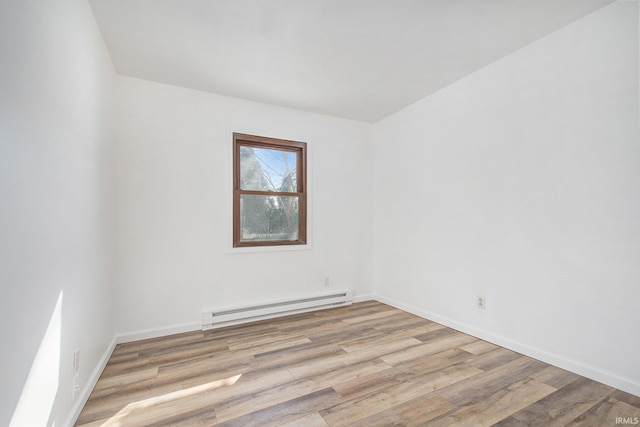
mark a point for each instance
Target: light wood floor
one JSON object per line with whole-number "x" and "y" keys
{"x": 364, "y": 365}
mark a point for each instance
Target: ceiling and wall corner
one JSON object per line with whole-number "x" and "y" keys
{"x": 358, "y": 59}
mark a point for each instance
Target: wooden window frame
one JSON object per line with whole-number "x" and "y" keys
{"x": 244, "y": 140}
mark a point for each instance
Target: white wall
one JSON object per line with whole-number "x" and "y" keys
{"x": 521, "y": 183}
{"x": 174, "y": 171}
{"x": 55, "y": 222}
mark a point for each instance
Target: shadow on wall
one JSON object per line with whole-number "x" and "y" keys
{"x": 35, "y": 405}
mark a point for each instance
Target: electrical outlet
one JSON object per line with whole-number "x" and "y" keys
{"x": 480, "y": 302}
{"x": 76, "y": 362}
{"x": 327, "y": 281}
{"x": 77, "y": 388}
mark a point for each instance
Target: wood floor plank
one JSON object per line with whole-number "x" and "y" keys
{"x": 367, "y": 385}
{"x": 179, "y": 373}
{"x": 609, "y": 412}
{"x": 253, "y": 342}
{"x": 340, "y": 361}
{"x": 354, "y": 410}
{"x": 256, "y": 329}
{"x": 297, "y": 355}
{"x": 374, "y": 316}
{"x": 440, "y": 361}
{"x": 369, "y": 343}
{"x": 158, "y": 343}
{"x": 160, "y": 358}
{"x": 171, "y": 408}
{"x": 417, "y": 412}
{"x": 428, "y": 348}
{"x": 488, "y": 382}
{"x": 243, "y": 385}
{"x": 415, "y": 330}
{"x": 479, "y": 347}
{"x": 500, "y": 405}
{"x": 434, "y": 335}
{"x": 310, "y": 325}
{"x": 311, "y": 420}
{"x": 290, "y": 390}
{"x": 101, "y": 409}
{"x": 128, "y": 378}
{"x": 286, "y": 343}
{"x": 215, "y": 375}
{"x": 215, "y": 362}
{"x": 122, "y": 357}
{"x": 289, "y": 411}
{"x": 627, "y": 398}
{"x": 355, "y": 310}
{"x": 367, "y": 364}
{"x": 564, "y": 405}
{"x": 494, "y": 358}
{"x": 344, "y": 333}
{"x": 555, "y": 377}
{"x": 402, "y": 323}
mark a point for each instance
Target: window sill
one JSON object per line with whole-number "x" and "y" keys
{"x": 276, "y": 248}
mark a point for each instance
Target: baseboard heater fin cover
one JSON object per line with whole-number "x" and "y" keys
{"x": 234, "y": 316}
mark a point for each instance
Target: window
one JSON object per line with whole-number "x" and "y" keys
{"x": 269, "y": 191}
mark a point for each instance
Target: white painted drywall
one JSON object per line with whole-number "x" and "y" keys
{"x": 521, "y": 183}
{"x": 55, "y": 223}
{"x": 174, "y": 194}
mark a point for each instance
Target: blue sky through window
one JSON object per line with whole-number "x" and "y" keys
{"x": 278, "y": 168}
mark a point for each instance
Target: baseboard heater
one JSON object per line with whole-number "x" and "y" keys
{"x": 234, "y": 316}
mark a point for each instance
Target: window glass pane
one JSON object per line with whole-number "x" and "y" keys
{"x": 268, "y": 217}
{"x": 265, "y": 169}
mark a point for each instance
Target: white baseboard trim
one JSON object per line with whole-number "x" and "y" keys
{"x": 366, "y": 297}
{"x": 552, "y": 359}
{"x": 90, "y": 384}
{"x": 157, "y": 332}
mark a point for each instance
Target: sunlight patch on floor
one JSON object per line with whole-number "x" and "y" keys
{"x": 120, "y": 419}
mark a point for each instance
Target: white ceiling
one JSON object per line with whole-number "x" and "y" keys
{"x": 358, "y": 59}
